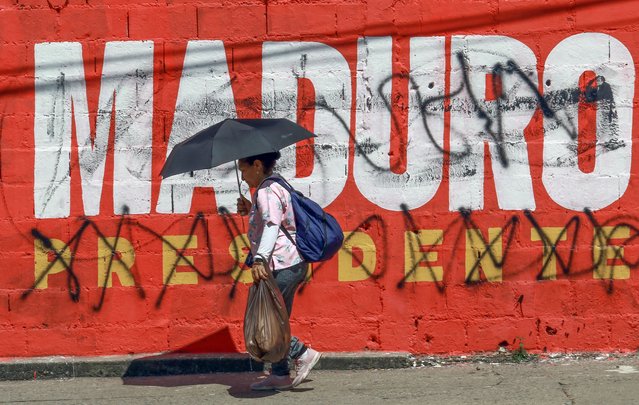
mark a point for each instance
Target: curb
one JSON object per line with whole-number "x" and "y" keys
{"x": 180, "y": 364}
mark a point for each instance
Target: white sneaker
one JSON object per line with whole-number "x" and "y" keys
{"x": 273, "y": 382}
{"x": 305, "y": 364}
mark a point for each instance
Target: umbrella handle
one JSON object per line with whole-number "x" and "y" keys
{"x": 239, "y": 190}
{"x": 237, "y": 176}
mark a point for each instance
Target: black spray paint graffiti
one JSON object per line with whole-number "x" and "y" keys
{"x": 463, "y": 225}
{"x": 550, "y": 104}
{"x": 604, "y": 233}
{"x": 73, "y": 245}
{"x": 596, "y": 90}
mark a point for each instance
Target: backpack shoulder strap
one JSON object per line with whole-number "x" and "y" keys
{"x": 288, "y": 235}
{"x": 282, "y": 182}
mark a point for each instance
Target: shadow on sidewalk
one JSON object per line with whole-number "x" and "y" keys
{"x": 213, "y": 359}
{"x": 239, "y": 383}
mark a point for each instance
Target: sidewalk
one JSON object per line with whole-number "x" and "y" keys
{"x": 180, "y": 364}
{"x": 550, "y": 380}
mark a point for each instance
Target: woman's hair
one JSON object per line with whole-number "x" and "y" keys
{"x": 267, "y": 159}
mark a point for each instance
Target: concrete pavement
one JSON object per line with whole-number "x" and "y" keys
{"x": 560, "y": 380}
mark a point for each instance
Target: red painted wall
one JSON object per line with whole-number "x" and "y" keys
{"x": 419, "y": 279}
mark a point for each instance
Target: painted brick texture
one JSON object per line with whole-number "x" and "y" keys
{"x": 479, "y": 155}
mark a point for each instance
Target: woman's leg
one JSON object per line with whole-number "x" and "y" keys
{"x": 288, "y": 280}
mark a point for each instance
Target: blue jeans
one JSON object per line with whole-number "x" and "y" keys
{"x": 288, "y": 280}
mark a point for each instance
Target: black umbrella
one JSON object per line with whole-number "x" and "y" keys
{"x": 230, "y": 140}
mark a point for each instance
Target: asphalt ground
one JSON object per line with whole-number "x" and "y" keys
{"x": 561, "y": 380}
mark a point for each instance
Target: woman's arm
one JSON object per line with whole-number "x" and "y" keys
{"x": 270, "y": 208}
{"x": 267, "y": 242}
{"x": 264, "y": 251}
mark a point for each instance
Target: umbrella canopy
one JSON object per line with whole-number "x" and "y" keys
{"x": 230, "y": 140}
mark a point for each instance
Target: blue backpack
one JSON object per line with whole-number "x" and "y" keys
{"x": 318, "y": 235}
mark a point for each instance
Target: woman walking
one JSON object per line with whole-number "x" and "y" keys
{"x": 270, "y": 209}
